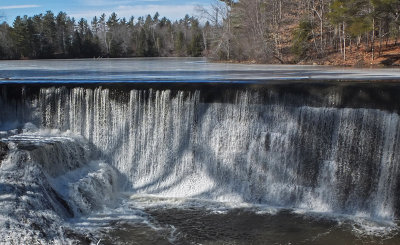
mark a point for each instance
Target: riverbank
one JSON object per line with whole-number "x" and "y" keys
{"x": 358, "y": 57}
{"x": 385, "y": 55}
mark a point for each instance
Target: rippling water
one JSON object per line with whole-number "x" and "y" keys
{"x": 178, "y": 221}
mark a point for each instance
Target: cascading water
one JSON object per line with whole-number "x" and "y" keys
{"x": 251, "y": 146}
{"x": 38, "y": 187}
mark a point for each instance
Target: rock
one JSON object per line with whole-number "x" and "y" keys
{"x": 3, "y": 151}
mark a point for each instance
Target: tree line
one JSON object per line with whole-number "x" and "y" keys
{"x": 264, "y": 31}
{"x": 60, "y": 36}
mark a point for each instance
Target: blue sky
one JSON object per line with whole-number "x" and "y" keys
{"x": 173, "y": 9}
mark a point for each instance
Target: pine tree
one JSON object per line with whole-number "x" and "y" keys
{"x": 21, "y": 36}
{"x": 196, "y": 43}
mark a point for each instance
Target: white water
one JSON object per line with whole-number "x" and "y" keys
{"x": 43, "y": 168}
{"x": 324, "y": 159}
{"x": 167, "y": 144}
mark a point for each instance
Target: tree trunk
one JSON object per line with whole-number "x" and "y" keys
{"x": 380, "y": 38}
{"x": 344, "y": 41}
{"x": 322, "y": 25}
{"x": 340, "y": 40}
{"x": 373, "y": 39}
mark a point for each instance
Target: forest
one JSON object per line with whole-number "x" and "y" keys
{"x": 259, "y": 31}
{"x": 60, "y": 36}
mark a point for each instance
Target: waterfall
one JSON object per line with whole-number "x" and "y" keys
{"x": 46, "y": 177}
{"x": 255, "y": 146}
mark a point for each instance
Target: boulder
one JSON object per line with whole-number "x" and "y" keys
{"x": 3, "y": 151}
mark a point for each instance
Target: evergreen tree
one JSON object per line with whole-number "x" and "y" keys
{"x": 301, "y": 37}
{"x": 180, "y": 43}
{"x": 75, "y": 49}
{"x": 48, "y": 35}
{"x": 21, "y": 36}
{"x": 196, "y": 43}
{"x": 141, "y": 46}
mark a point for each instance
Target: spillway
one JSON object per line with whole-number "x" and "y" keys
{"x": 325, "y": 147}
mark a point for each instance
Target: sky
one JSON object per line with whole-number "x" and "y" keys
{"x": 173, "y": 9}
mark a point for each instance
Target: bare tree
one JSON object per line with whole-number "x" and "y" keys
{"x": 220, "y": 35}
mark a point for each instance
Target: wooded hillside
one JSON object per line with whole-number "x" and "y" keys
{"x": 311, "y": 31}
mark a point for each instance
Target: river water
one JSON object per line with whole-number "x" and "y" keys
{"x": 181, "y": 151}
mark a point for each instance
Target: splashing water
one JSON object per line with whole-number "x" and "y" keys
{"x": 258, "y": 149}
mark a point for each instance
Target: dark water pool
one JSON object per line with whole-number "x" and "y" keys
{"x": 242, "y": 227}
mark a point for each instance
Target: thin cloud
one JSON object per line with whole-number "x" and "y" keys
{"x": 170, "y": 11}
{"x": 103, "y": 2}
{"x": 20, "y": 6}
{"x": 116, "y": 3}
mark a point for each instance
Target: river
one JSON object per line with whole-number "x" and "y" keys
{"x": 182, "y": 151}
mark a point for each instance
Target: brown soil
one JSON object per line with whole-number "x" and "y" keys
{"x": 362, "y": 57}
{"x": 355, "y": 57}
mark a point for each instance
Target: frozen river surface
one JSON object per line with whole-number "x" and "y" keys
{"x": 177, "y": 69}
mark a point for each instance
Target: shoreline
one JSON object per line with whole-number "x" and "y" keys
{"x": 361, "y": 65}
